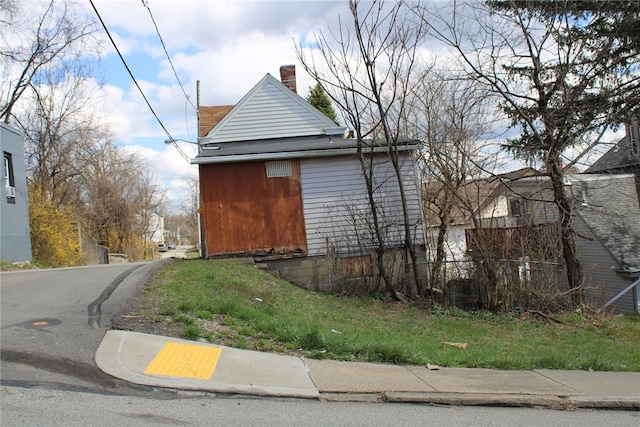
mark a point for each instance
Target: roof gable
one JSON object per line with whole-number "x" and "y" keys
{"x": 481, "y": 195}
{"x": 271, "y": 110}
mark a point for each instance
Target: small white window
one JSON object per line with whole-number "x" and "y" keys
{"x": 10, "y": 190}
{"x": 278, "y": 169}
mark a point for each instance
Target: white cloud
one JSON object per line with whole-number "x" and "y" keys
{"x": 228, "y": 46}
{"x": 172, "y": 170}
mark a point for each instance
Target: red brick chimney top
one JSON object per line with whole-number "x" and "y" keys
{"x": 288, "y": 77}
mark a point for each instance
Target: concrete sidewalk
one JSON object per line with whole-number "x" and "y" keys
{"x": 172, "y": 363}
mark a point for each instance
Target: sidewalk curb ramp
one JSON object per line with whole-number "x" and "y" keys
{"x": 199, "y": 368}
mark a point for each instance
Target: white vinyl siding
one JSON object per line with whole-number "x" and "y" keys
{"x": 270, "y": 110}
{"x": 336, "y": 206}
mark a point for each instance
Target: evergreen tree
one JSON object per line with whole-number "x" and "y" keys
{"x": 319, "y": 99}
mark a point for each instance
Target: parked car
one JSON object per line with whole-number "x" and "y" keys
{"x": 171, "y": 246}
{"x": 162, "y": 247}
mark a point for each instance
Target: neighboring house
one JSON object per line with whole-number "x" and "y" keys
{"x": 607, "y": 223}
{"x": 487, "y": 200}
{"x": 623, "y": 157}
{"x": 281, "y": 184}
{"x": 15, "y": 240}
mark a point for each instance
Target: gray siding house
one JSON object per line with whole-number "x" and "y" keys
{"x": 280, "y": 183}
{"x": 15, "y": 240}
{"x": 607, "y": 223}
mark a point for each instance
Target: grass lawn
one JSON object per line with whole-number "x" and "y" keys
{"x": 230, "y": 303}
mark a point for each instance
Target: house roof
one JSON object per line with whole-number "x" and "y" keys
{"x": 270, "y": 110}
{"x": 498, "y": 185}
{"x": 273, "y": 122}
{"x": 624, "y": 155}
{"x": 481, "y": 193}
{"x": 609, "y": 207}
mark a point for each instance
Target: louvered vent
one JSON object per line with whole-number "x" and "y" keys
{"x": 278, "y": 169}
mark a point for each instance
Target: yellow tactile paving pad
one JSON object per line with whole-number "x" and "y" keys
{"x": 185, "y": 360}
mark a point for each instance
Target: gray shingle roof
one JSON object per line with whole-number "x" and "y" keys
{"x": 621, "y": 157}
{"x": 609, "y": 206}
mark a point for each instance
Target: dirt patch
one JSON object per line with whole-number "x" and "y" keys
{"x": 145, "y": 325}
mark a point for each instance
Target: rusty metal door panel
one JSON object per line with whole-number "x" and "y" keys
{"x": 246, "y": 212}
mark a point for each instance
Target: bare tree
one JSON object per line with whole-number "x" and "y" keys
{"x": 362, "y": 67}
{"x": 119, "y": 193}
{"x": 551, "y": 63}
{"x": 59, "y": 130}
{"x": 450, "y": 115}
{"x": 189, "y": 210}
{"x": 61, "y": 34}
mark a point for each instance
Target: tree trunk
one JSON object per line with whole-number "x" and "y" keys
{"x": 437, "y": 275}
{"x": 567, "y": 233}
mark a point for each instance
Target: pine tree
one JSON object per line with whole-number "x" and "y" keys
{"x": 319, "y": 99}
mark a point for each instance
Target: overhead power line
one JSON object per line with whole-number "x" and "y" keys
{"x": 136, "y": 83}
{"x": 145, "y": 3}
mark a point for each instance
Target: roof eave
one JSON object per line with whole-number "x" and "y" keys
{"x": 629, "y": 273}
{"x": 291, "y": 155}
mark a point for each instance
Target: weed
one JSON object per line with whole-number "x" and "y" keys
{"x": 161, "y": 319}
{"x": 192, "y": 332}
{"x": 388, "y": 354}
{"x": 204, "y": 314}
{"x": 310, "y": 340}
{"x": 167, "y": 312}
{"x": 184, "y": 320}
{"x": 185, "y": 307}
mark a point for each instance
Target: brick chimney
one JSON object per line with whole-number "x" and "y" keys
{"x": 288, "y": 76}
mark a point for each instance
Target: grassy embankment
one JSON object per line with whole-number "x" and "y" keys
{"x": 234, "y": 304}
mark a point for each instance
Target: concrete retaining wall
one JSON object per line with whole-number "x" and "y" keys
{"x": 352, "y": 275}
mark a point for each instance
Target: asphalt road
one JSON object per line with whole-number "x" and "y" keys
{"x": 22, "y": 407}
{"x": 53, "y": 320}
{"x": 179, "y": 252}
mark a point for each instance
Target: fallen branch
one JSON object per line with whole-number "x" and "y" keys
{"x": 124, "y": 316}
{"x": 456, "y": 344}
{"x": 546, "y": 316}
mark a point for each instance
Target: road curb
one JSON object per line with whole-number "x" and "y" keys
{"x": 495, "y": 400}
{"x": 612, "y": 402}
{"x": 476, "y": 399}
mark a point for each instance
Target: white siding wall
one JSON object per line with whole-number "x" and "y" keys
{"x": 455, "y": 244}
{"x": 336, "y": 204}
{"x": 270, "y": 113}
{"x": 499, "y": 208}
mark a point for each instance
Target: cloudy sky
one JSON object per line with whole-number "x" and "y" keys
{"x": 226, "y": 45}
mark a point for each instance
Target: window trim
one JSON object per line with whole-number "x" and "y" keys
{"x": 8, "y": 175}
